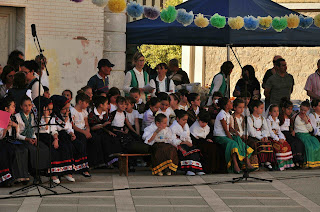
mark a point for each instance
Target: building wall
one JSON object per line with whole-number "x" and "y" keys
{"x": 71, "y": 35}
{"x": 301, "y": 62}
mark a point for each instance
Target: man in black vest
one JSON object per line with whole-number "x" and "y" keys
{"x": 177, "y": 74}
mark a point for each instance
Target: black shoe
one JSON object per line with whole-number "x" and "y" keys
{"x": 86, "y": 175}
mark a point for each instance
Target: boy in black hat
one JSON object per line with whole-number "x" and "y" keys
{"x": 100, "y": 81}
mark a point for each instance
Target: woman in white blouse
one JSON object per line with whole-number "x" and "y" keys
{"x": 302, "y": 127}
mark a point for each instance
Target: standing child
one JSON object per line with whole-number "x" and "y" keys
{"x": 26, "y": 133}
{"x": 189, "y": 155}
{"x": 79, "y": 116}
{"x": 235, "y": 150}
{"x": 315, "y": 118}
{"x": 61, "y": 152}
{"x": 184, "y": 104}
{"x": 194, "y": 100}
{"x": 13, "y": 154}
{"x": 102, "y": 144}
{"x": 163, "y": 144}
{"x": 238, "y": 123}
{"x": 287, "y": 128}
{"x": 303, "y": 127}
{"x": 212, "y": 157}
{"x": 149, "y": 115}
{"x": 280, "y": 145}
{"x": 258, "y": 132}
{"x": 112, "y": 98}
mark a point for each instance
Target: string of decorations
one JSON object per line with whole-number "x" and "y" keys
{"x": 170, "y": 14}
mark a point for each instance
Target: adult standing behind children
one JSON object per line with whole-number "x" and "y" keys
{"x": 100, "y": 81}
{"x": 313, "y": 84}
{"x": 219, "y": 82}
{"x": 29, "y": 68}
{"x": 280, "y": 84}
{"x": 137, "y": 77}
{"x": 176, "y": 74}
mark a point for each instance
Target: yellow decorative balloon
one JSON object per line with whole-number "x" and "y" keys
{"x": 236, "y": 23}
{"x": 317, "y": 20}
{"x": 293, "y": 21}
{"x": 201, "y": 21}
{"x": 265, "y": 22}
{"x": 117, "y": 6}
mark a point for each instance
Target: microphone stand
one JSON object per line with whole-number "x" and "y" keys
{"x": 246, "y": 172}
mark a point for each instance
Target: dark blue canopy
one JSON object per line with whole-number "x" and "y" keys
{"x": 147, "y": 31}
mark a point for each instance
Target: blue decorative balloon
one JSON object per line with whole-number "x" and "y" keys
{"x": 305, "y": 22}
{"x": 134, "y": 9}
{"x": 183, "y": 17}
{"x": 251, "y": 23}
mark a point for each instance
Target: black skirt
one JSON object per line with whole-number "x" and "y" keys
{"x": 6, "y": 160}
{"x": 41, "y": 163}
{"x": 297, "y": 147}
{"x": 189, "y": 158}
{"x": 61, "y": 158}
{"x": 79, "y": 149}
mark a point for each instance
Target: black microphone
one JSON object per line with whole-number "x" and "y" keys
{"x": 33, "y": 30}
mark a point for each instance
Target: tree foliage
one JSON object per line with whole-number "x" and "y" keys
{"x": 155, "y": 54}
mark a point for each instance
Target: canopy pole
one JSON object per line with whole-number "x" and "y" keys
{"x": 228, "y": 79}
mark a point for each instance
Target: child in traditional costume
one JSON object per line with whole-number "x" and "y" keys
{"x": 148, "y": 116}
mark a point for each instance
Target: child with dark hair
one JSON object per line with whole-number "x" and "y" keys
{"x": 235, "y": 150}
{"x": 194, "y": 100}
{"x": 139, "y": 105}
{"x": 163, "y": 144}
{"x": 79, "y": 116}
{"x": 13, "y": 154}
{"x": 315, "y": 118}
{"x": 303, "y": 127}
{"x": 132, "y": 115}
{"x": 174, "y": 101}
{"x": 280, "y": 145}
{"x": 46, "y": 92}
{"x": 61, "y": 151}
{"x": 214, "y": 108}
{"x": 287, "y": 128}
{"x": 189, "y": 155}
{"x": 26, "y": 133}
{"x": 184, "y": 104}
{"x": 112, "y": 98}
{"x": 102, "y": 144}
{"x": 162, "y": 83}
{"x": 165, "y": 107}
{"x": 68, "y": 94}
{"x": 258, "y": 135}
{"x": 152, "y": 106}
{"x": 246, "y": 98}
{"x": 212, "y": 158}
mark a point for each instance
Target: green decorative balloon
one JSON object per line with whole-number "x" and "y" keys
{"x": 279, "y": 24}
{"x": 218, "y": 21}
{"x": 168, "y": 15}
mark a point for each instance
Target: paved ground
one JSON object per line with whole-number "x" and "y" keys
{"x": 290, "y": 191}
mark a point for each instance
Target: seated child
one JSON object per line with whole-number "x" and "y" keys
{"x": 235, "y": 150}
{"x": 188, "y": 154}
{"x": 102, "y": 144}
{"x": 302, "y": 127}
{"x": 174, "y": 101}
{"x": 165, "y": 106}
{"x": 26, "y": 133}
{"x": 246, "y": 98}
{"x": 280, "y": 145}
{"x": 13, "y": 154}
{"x": 149, "y": 115}
{"x": 133, "y": 116}
{"x": 162, "y": 83}
{"x": 163, "y": 144}
{"x": 287, "y": 128}
{"x": 112, "y": 98}
{"x": 315, "y": 118}
{"x": 61, "y": 151}
{"x": 194, "y": 109}
{"x": 184, "y": 104}
{"x": 258, "y": 133}
{"x": 139, "y": 105}
{"x": 68, "y": 94}
{"x": 238, "y": 123}
{"x": 79, "y": 117}
{"x": 212, "y": 156}
{"x": 46, "y": 92}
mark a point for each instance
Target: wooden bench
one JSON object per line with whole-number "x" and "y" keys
{"x": 124, "y": 161}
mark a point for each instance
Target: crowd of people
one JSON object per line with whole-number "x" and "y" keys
{"x": 179, "y": 130}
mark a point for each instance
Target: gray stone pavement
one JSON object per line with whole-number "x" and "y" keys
{"x": 294, "y": 190}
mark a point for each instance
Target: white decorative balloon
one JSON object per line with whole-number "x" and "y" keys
{"x": 100, "y": 3}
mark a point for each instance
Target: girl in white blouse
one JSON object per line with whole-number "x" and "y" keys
{"x": 189, "y": 155}
{"x": 235, "y": 150}
{"x": 302, "y": 127}
{"x": 280, "y": 145}
{"x": 258, "y": 133}
{"x": 163, "y": 144}
{"x": 148, "y": 116}
{"x": 315, "y": 118}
